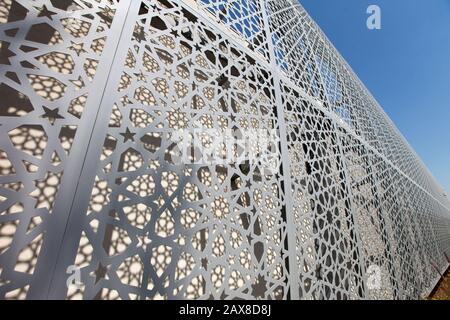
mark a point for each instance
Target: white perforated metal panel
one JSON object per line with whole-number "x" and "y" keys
{"x": 95, "y": 181}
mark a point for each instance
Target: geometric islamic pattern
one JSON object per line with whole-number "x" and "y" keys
{"x": 95, "y": 96}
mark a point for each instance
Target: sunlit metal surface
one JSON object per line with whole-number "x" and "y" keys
{"x": 93, "y": 204}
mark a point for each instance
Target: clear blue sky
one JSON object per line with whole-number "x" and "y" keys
{"x": 405, "y": 65}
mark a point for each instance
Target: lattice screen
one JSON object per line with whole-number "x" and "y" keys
{"x": 94, "y": 95}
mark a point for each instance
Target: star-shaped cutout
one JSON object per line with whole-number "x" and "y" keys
{"x": 174, "y": 32}
{"x": 44, "y": 12}
{"x": 141, "y": 76}
{"x": 51, "y": 114}
{"x": 168, "y": 73}
{"x": 197, "y": 47}
{"x": 100, "y": 272}
{"x": 77, "y": 47}
{"x": 143, "y": 241}
{"x": 259, "y": 287}
{"x": 127, "y": 135}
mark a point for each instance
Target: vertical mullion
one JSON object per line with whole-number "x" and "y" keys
{"x": 98, "y": 118}
{"x": 339, "y": 144}
{"x": 291, "y": 229}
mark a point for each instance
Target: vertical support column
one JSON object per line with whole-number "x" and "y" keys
{"x": 68, "y": 241}
{"x": 339, "y": 141}
{"x": 352, "y": 207}
{"x": 386, "y": 224}
{"x": 46, "y": 267}
{"x": 294, "y": 276}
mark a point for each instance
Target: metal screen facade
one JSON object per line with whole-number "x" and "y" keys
{"x": 95, "y": 204}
